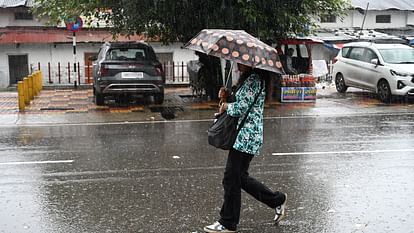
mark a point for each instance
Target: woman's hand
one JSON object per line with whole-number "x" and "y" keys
{"x": 223, "y": 93}
{"x": 223, "y": 108}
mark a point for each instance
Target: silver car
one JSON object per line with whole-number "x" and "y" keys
{"x": 386, "y": 69}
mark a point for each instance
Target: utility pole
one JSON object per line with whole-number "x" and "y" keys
{"x": 74, "y": 51}
{"x": 74, "y": 24}
{"x": 363, "y": 21}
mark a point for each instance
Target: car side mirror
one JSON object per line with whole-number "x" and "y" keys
{"x": 375, "y": 61}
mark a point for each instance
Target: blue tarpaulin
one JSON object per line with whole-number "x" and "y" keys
{"x": 334, "y": 46}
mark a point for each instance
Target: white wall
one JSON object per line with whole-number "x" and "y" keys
{"x": 63, "y": 53}
{"x": 179, "y": 54}
{"x": 410, "y": 17}
{"x": 7, "y": 18}
{"x": 354, "y": 18}
{"x": 43, "y": 53}
{"x": 4, "y": 68}
{"x": 398, "y": 20}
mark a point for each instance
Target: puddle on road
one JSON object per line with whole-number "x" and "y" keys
{"x": 167, "y": 113}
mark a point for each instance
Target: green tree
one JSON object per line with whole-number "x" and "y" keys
{"x": 179, "y": 20}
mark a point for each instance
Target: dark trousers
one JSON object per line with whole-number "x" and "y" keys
{"x": 236, "y": 177}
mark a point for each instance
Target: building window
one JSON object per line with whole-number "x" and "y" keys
{"x": 23, "y": 16}
{"x": 328, "y": 19}
{"x": 383, "y": 19}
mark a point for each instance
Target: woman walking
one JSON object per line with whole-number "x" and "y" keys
{"x": 248, "y": 144}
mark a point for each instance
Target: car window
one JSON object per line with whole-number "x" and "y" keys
{"x": 345, "y": 52}
{"x": 397, "y": 56}
{"x": 357, "y": 53}
{"x": 369, "y": 55}
{"x": 126, "y": 54}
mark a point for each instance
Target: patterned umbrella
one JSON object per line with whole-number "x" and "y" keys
{"x": 238, "y": 46}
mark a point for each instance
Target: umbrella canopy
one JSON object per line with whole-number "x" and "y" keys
{"x": 238, "y": 46}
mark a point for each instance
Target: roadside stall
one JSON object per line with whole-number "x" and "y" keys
{"x": 301, "y": 67}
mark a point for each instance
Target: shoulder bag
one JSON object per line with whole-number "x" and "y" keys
{"x": 223, "y": 132}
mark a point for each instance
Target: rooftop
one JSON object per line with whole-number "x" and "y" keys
{"x": 43, "y": 35}
{"x": 384, "y": 5}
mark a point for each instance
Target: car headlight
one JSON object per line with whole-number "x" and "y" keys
{"x": 398, "y": 73}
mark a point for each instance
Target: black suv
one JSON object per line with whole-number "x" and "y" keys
{"x": 127, "y": 68}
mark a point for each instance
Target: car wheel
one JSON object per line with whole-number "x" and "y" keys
{"x": 340, "y": 83}
{"x": 99, "y": 99}
{"x": 384, "y": 91}
{"x": 159, "y": 98}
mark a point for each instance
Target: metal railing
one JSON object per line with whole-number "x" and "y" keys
{"x": 69, "y": 73}
{"x": 176, "y": 73}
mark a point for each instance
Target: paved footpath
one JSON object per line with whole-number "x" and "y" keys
{"x": 8, "y": 102}
{"x": 77, "y": 106}
{"x": 81, "y": 101}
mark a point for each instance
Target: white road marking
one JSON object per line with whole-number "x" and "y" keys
{"x": 37, "y": 162}
{"x": 344, "y": 152}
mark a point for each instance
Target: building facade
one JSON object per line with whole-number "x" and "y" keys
{"x": 27, "y": 44}
{"x": 392, "y": 17}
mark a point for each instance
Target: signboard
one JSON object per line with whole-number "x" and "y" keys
{"x": 74, "y": 24}
{"x": 298, "y": 94}
{"x": 291, "y": 94}
{"x": 309, "y": 93}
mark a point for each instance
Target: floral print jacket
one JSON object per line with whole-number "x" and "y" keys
{"x": 250, "y": 138}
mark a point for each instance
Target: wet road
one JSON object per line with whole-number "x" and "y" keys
{"x": 350, "y": 172}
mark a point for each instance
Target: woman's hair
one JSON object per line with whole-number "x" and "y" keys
{"x": 244, "y": 76}
{"x": 265, "y": 75}
{"x": 262, "y": 73}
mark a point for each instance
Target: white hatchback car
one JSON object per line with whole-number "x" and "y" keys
{"x": 386, "y": 69}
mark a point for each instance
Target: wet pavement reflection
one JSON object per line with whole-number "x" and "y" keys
{"x": 346, "y": 169}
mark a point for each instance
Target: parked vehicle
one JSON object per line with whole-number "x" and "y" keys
{"x": 386, "y": 69}
{"x": 127, "y": 69}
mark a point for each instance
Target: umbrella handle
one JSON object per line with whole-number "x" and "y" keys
{"x": 230, "y": 73}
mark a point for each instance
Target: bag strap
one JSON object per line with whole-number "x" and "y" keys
{"x": 250, "y": 107}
